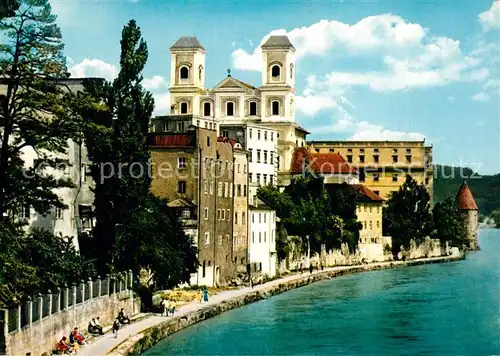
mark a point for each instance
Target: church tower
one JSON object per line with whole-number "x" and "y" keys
{"x": 187, "y": 75}
{"x": 468, "y": 210}
{"x": 278, "y": 80}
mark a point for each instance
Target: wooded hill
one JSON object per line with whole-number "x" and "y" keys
{"x": 486, "y": 188}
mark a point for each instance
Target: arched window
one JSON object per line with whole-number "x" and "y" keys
{"x": 275, "y": 71}
{"x": 253, "y": 108}
{"x": 200, "y": 71}
{"x": 291, "y": 71}
{"x": 229, "y": 108}
{"x": 207, "y": 109}
{"x": 184, "y": 108}
{"x": 184, "y": 72}
{"x": 275, "y": 108}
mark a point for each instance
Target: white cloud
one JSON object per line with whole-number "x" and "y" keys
{"x": 162, "y": 104}
{"x": 156, "y": 83}
{"x": 387, "y": 32}
{"x": 365, "y": 131}
{"x": 491, "y": 18}
{"x": 482, "y": 96}
{"x": 94, "y": 68}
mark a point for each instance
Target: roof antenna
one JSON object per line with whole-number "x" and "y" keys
{"x": 229, "y": 72}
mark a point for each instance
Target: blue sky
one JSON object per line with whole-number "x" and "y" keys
{"x": 365, "y": 69}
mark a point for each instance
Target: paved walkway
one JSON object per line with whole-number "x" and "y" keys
{"x": 104, "y": 344}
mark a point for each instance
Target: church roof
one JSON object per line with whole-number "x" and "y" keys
{"x": 465, "y": 199}
{"x": 278, "y": 42}
{"x": 187, "y": 42}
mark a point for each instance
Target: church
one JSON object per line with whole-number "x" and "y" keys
{"x": 238, "y": 110}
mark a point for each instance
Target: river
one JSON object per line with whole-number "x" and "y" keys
{"x": 444, "y": 309}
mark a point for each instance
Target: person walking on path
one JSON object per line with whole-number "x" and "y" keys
{"x": 116, "y": 327}
{"x": 201, "y": 297}
{"x": 205, "y": 295}
{"x": 172, "y": 308}
{"x": 310, "y": 268}
{"x": 300, "y": 268}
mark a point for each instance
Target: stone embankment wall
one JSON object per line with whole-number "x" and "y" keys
{"x": 138, "y": 343}
{"x": 42, "y": 335}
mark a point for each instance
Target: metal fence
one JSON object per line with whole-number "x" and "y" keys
{"x": 43, "y": 306}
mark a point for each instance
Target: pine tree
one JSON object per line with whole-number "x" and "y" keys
{"x": 35, "y": 114}
{"x": 8, "y": 8}
{"x": 408, "y": 214}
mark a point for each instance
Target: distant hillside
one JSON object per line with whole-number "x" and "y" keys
{"x": 486, "y": 189}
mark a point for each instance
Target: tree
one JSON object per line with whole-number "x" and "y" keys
{"x": 495, "y": 215}
{"x": 8, "y": 8}
{"x": 35, "y": 116}
{"x": 408, "y": 215}
{"x": 134, "y": 230}
{"x": 448, "y": 224}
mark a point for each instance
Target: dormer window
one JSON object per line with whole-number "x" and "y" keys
{"x": 275, "y": 71}
{"x": 230, "y": 108}
{"x": 207, "y": 109}
{"x": 253, "y": 108}
{"x": 184, "y": 73}
{"x": 275, "y": 108}
{"x": 184, "y": 108}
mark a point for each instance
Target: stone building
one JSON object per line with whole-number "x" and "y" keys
{"x": 383, "y": 165}
{"x": 193, "y": 170}
{"x": 234, "y": 102}
{"x": 78, "y": 217}
{"x": 469, "y": 213}
{"x": 262, "y": 244}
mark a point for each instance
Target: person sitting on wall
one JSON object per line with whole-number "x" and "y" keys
{"x": 63, "y": 346}
{"x": 78, "y": 337}
{"x": 122, "y": 318}
{"x": 94, "y": 328}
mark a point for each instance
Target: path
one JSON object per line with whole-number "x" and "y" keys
{"x": 104, "y": 344}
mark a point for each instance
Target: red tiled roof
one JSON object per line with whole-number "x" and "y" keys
{"x": 367, "y": 192}
{"x": 165, "y": 140}
{"x": 227, "y": 139}
{"x": 465, "y": 199}
{"x": 319, "y": 163}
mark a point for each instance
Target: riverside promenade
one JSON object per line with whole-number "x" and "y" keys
{"x": 131, "y": 334}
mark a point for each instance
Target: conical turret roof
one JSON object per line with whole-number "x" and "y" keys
{"x": 465, "y": 199}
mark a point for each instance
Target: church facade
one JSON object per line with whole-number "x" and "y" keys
{"x": 232, "y": 103}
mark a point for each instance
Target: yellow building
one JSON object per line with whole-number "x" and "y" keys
{"x": 383, "y": 165}
{"x": 369, "y": 213}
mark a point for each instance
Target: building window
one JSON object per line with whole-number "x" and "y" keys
{"x": 275, "y": 72}
{"x": 184, "y": 108}
{"x": 378, "y": 224}
{"x": 184, "y": 72}
{"x": 250, "y": 155}
{"x": 408, "y": 159}
{"x": 408, "y": 151}
{"x": 362, "y": 176}
{"x": 258, "y": 156}
{"x": 223, "y": 214}
{"x": 271, "y": 179}
{"x": 361, "y": 159}
{"x": 271, "y": 161}
{"x": 244, "y": 190}
{"x": 207, "y": 109}
{"x": 258, "y": 178}
{"x": 243, "y": 220}
{"x": 375, "y": 150}
{"x": 208, "y": 141}
{"x": 275, "y": 107}
{"x": 253, "y": 217}
{"x": 260, "y": 237}
{"x": 265, "y": 182}
{"x": 395, "y": 151}
{"x": 181, "y": 162}
{"x": 211, "y": 188}
{"x": 258, "y": 135}
{"x": 253, "y": 237}
{"x": 349, "y": 158}
{"x": 264, "y": 236}
{"x": 260, "y": 218}
{"x": 376, "y": 192}
{"x": 291, "y": 71}
{"x": 375, "y": 159}
{"x": 265, "y": 156}
{"x": 238, "y": 190}
{"x": 205, "y": 214}
{"x": 250, "y": 177}
{"x": 249, "y": 133}
{"x": 186, "y": 213}
{"x": 181, "y": 186}
{"x": 371, "y": 227}
{"x": 225, "y": 133}
{"x": 375, "y": 177}
{"x": 394, "y": 177}
{"x": 219, "y": 189}
{"x": 235, "y": 217}
{"x": 205, "y": 189}
{"x": 180, "y": 126}
{"x": 228, "y": 215}
{"x": 207, "y": 238}
{"x": 349, "y": 150}
{"x": 394, "y": 159}
{"x": 230, "y": 108}
{"x": 265, "y": 135}
{"x": 253, "y": 108}
{"x": 272, "y": 136}
{"x": 426, "y": 180}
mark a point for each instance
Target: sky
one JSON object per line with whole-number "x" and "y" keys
{"x": 366, "y": 70}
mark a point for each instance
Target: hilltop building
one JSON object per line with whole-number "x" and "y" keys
{"x": 469, "y": 213}
{"x": 383, "y": 165}
{"x": 233, "y": 103}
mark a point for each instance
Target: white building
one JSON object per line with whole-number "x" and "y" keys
{"x": 233, "y": 102}
{"x": 78, "y": 216}
{"x": 262, "y": 240}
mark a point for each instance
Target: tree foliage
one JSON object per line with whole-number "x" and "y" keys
{"x": 448, "y": 224}
{"x": 133, "y": 230}
{"x": 408, "y": 215}
{"x": 8, "y": 8}
{"x": 36, "y": 113}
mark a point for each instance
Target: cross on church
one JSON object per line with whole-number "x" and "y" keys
{"x": 229, "y": 72}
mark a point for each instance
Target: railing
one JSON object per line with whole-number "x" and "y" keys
{"x": 43, "y": 306}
